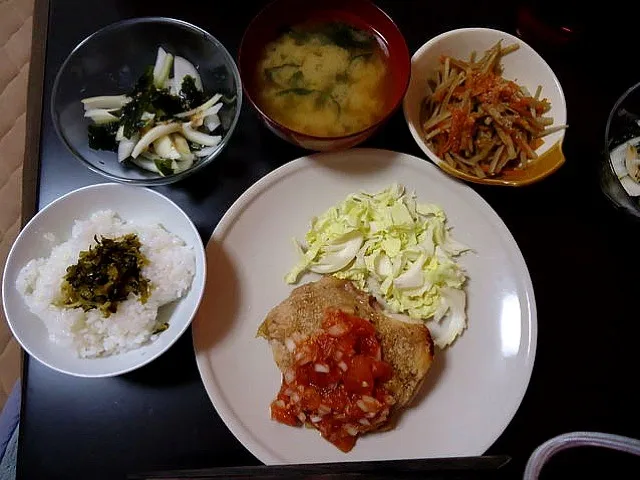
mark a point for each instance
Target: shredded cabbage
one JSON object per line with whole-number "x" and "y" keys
{"x": 396, "y": 249}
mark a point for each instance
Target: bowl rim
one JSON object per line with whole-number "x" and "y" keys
{"x": 498, "y": 181}
{"x": 123, "y": 24}
{"x": 199, "y": 251}
{"x": 305, "y": 136}
{"x": 607, "y": 150}
{"x": 610, "y": 116}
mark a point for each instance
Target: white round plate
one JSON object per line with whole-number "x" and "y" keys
{"x": 131, "y": 204}
{"x": 474, "y": 387}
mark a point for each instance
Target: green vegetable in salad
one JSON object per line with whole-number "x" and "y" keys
{"x": 191, "y": 96}
{"x": 146, "y": 98}
{"x": 105, "y": 275}
{"x": 170, "y": 121}
{"x": 103, "y": 136}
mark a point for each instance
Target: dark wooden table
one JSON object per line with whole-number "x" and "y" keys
{"x": 580, "y": 251}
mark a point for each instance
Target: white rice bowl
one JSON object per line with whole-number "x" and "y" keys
{"x": 170, "y": 269}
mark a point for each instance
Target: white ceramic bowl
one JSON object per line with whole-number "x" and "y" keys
{"x": 524, "y": 66}
{"x": 131, "y": 204}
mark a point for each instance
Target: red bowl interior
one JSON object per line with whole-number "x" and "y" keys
{"x": 361, "y": 14}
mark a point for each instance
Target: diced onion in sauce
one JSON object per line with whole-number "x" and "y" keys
{"x": 337, "y": 381}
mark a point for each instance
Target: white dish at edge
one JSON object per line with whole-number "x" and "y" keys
{"x": 131, "y": 204}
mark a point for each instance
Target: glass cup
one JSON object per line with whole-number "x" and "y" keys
{"x": 621, "y": 132}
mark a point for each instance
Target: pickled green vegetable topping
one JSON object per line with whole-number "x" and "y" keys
{"x": 105, "y": 275}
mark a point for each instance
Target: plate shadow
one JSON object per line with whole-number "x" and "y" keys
{"x": 221, "y": 299}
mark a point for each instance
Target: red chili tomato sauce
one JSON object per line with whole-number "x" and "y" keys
{"x": 336, "y": 383}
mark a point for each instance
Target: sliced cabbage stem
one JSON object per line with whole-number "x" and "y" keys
{"x": 152, "y": 135}
{"x": 340, "y": 256}
{"x": 198, "y": 118}
{"x": 200, "y": 138}
{"x": 162, "y": 68}
{"x": 205, "y": 152}
{"x": 126, "y": 146}
{"x": 165, "y": 148}
{"x": 115, "y": 102}
{"x": 211, "y": 122}
{"x": 101, "y": 116}
{"x": 205, "y": 106}
{"x": 183, "y": 68}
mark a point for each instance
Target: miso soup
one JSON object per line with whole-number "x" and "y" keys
{"x": 324, "y": 79}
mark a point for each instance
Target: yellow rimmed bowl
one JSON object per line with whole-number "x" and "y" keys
{"x": 524, "y": 66}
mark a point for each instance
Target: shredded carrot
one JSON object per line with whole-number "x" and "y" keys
{"x": 479, "y": 120}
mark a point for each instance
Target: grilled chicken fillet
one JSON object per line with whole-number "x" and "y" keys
{"x": 407, "y": 347}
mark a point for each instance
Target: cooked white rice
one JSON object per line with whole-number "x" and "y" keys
{"x": 170, "y": 270}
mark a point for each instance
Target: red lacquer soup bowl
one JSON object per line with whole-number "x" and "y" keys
{"x": 360, "y": 14}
